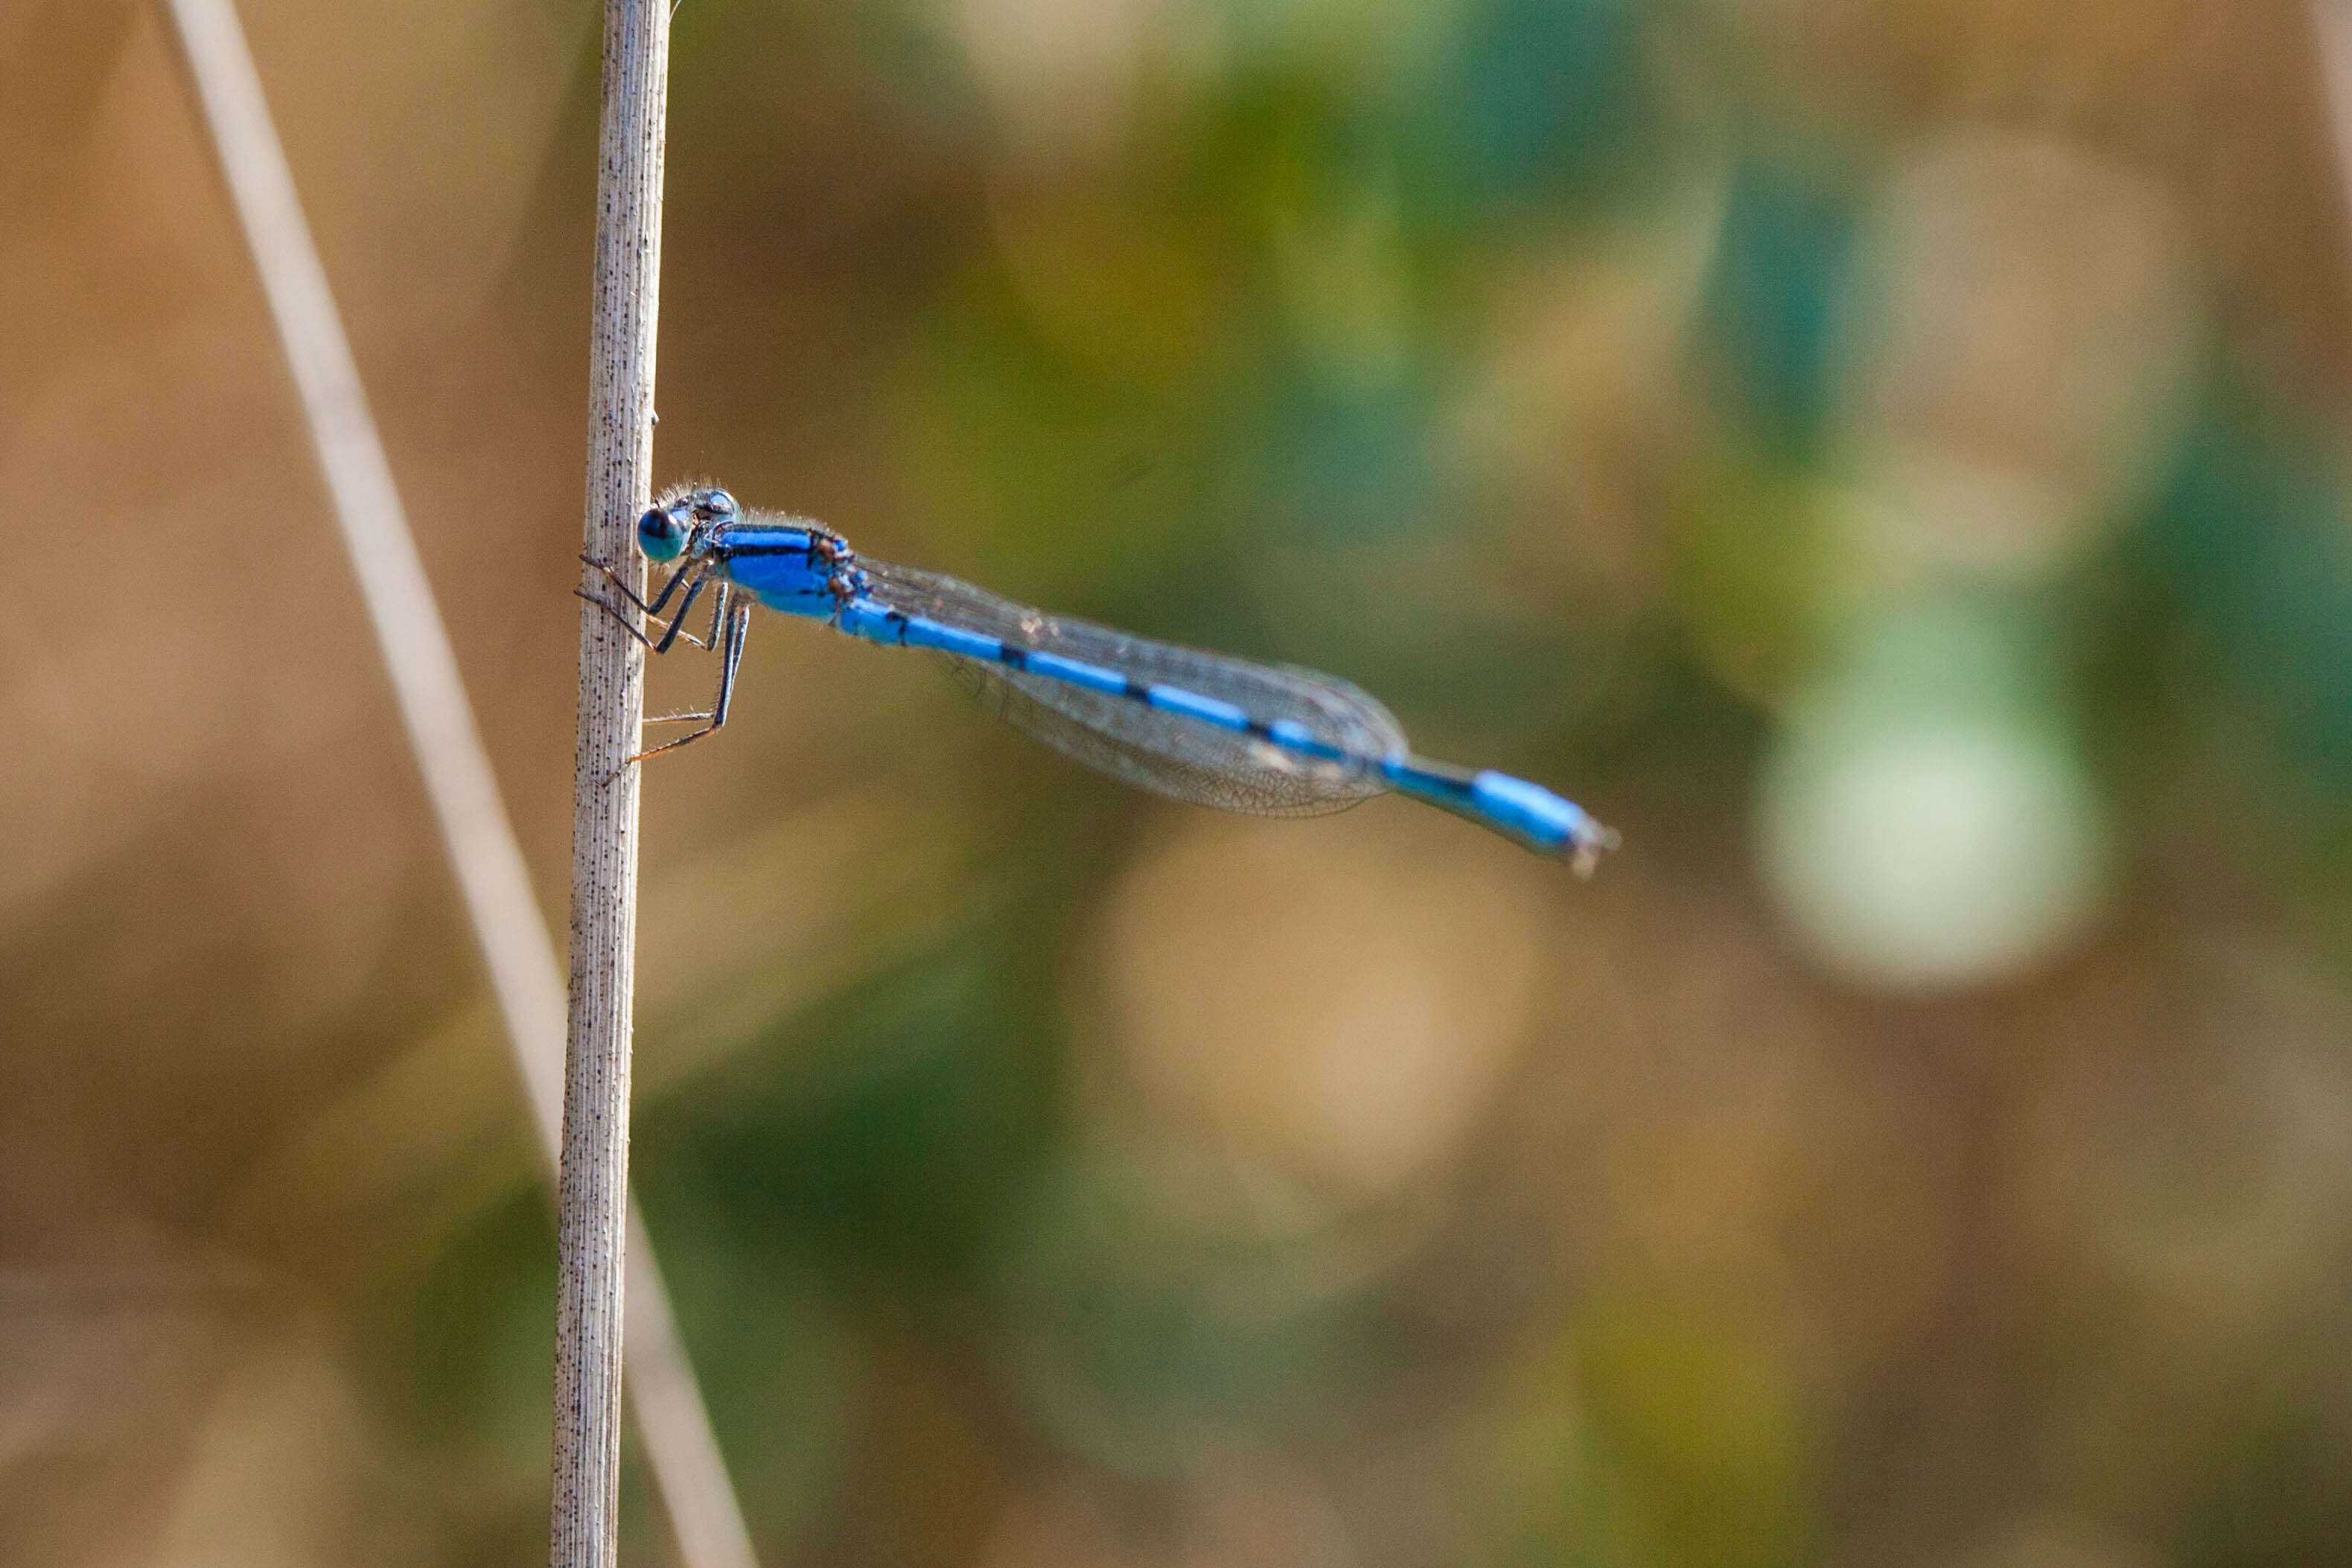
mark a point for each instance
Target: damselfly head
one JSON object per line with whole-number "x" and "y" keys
{"x": 676, "y": 523}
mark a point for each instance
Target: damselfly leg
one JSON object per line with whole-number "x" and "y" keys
{"x": 738, "y": 627}
{"x": 671, "y": 632}
{"x": 669, "y": 586}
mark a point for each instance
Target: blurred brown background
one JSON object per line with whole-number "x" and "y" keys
{"x": 1887, "y": 458}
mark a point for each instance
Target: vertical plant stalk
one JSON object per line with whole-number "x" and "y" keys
{"x": 2331, "y": 38}
{"x": 487, "y": 860}
{"x": 592, "y": 1185}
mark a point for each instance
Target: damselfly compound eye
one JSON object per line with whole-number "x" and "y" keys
{"x": 660, "y": 534}
{"x": 719, "y": 505}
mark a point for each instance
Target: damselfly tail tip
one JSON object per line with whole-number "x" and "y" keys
{"x": 1588, "y": 844}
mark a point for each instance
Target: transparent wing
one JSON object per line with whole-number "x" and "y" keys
{"x": 1164, "y": 752}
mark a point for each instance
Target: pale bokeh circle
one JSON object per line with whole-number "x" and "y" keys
{"x": 1925, "y": 850}
{"x": 1337, "y": 1000}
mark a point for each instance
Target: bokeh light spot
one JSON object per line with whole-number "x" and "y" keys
{"x": 1925, "y": 849}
